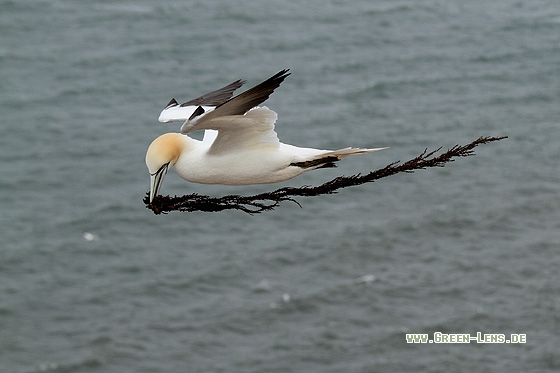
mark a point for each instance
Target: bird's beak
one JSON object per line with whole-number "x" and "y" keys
{"x": 156, "y": 179}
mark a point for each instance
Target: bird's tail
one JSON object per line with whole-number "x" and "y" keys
{"x": 328, "y": 159}
{"x": 343, "y": 153}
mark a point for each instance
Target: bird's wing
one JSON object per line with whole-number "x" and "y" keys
{"x": 239, "y": 105}
{"x": 174, "y": 112}
{"x": 239, "y": 133}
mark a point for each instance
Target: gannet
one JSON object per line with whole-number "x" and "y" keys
{"x": 239, "y": 147}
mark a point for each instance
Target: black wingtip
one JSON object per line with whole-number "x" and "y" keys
{"x": 281, "y": 75}
{"x": 238, "y": 83}
{"x": 275, "y": 80}
{"x": 278, "y": 78}
{"x": 171, "y": 103}
{"x": 199, "y": 111}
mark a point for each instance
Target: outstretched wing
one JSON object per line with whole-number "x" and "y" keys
{"x": 239, "y": 105}
{"x": 174, "y": 112}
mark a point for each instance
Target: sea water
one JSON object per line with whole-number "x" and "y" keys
{"x": 92, "y": 281}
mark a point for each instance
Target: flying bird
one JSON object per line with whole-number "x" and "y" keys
{"x": 239, "y": 147}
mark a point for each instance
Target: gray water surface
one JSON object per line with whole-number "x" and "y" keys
{"x": 92, "y": 281}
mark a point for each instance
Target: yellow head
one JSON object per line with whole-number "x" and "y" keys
{"x": 163, "y": 151}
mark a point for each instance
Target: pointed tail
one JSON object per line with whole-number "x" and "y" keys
{"x": 328, "y": 159}
{"x": 343, "y": 153}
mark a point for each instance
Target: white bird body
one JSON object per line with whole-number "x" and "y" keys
{"x": 254, "y": 166}
{"x": 240, "y": 146}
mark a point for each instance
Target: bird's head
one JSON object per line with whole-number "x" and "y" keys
{"x": 162, "y": 153}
